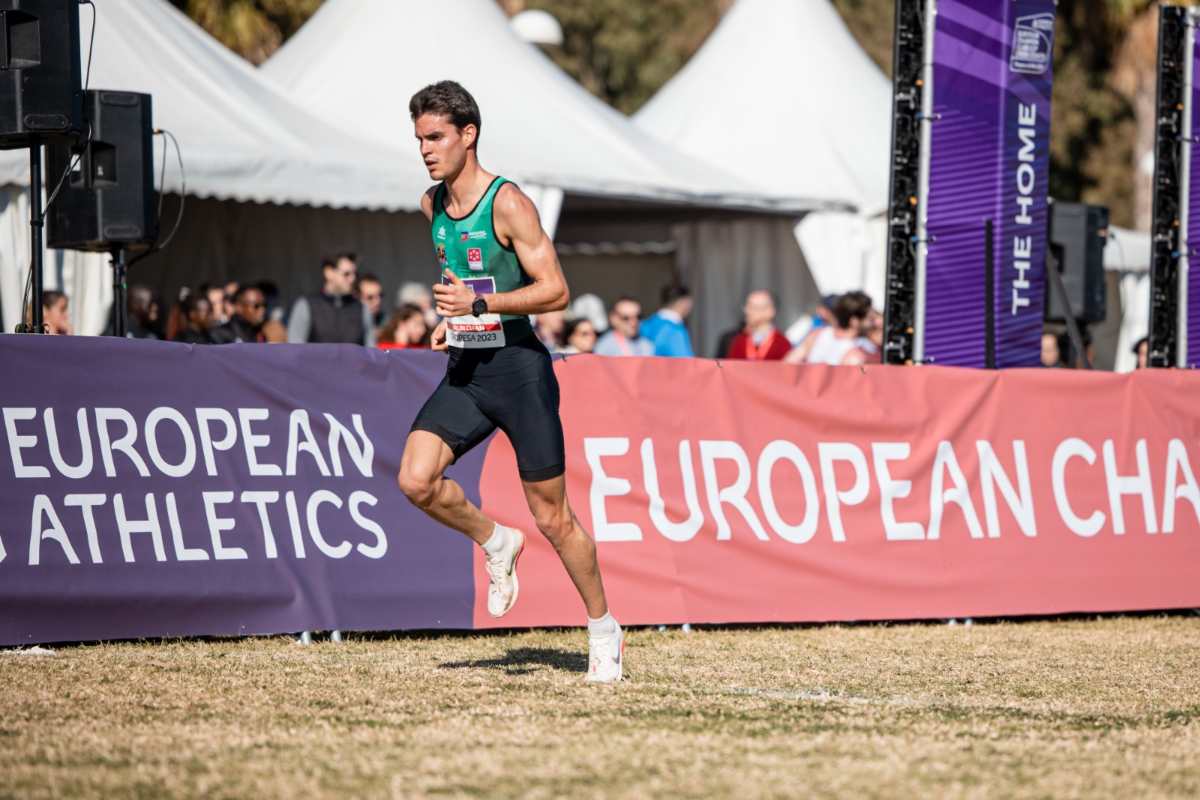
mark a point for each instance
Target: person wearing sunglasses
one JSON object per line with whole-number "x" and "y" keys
{"x": 624, "y": 335}
{"x": 333, "y": 314}
{"x": 249, "y": 313}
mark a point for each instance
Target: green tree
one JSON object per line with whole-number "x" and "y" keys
{"x": 623, "y": 51}
{"x": 254, "y": 29}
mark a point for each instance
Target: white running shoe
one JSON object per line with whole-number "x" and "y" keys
{"x": 606, "y": 657}
{"x": 502, "y": 575}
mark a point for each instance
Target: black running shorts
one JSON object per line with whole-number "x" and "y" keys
{"x": 512, "y": 388}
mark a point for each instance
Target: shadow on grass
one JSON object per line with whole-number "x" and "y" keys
{"x": 524, "y": 660}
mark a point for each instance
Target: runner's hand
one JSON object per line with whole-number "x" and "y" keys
{"x": 437, "y": 341}
{"x": 453, "y": 299}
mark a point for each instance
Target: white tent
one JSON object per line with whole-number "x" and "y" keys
{"x": 356, "y": 62}
{"x": 242, "y": 140}
{"x": 782, "y": 95}
{"x": 665, "y": 215}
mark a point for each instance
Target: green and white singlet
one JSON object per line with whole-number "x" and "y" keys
{"x": 468, "y": 247}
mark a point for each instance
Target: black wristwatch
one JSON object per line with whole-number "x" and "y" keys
{"x": 479, "y": 307}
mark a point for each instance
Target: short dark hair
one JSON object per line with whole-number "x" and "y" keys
{"x": 851, "y": 305}
{"x": 672, "y": 292}
{"x": 448, "y": 99}
{"x": 50, "y": 297}
{"x": 345, "y": 255}
{"x": 367, "y": 277}
{"x": 328, "y": 262}
{"x": 242, "y": 290}
{"x": 194, "y": 300}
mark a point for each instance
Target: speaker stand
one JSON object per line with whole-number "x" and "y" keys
{"x": 36, "y": 223}
{"x": 120, "y": 309}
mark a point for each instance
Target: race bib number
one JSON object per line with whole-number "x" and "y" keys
{"x": 472, "y": 332}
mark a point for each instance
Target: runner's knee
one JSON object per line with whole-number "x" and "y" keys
{"x": 555, "y": 524}
{"x": 418, "y": 488}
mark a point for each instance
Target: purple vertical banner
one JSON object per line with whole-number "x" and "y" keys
{"x": 990, "y": 160}
{"x": 1192, "y": 233}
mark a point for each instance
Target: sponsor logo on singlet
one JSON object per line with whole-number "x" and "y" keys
{"x": 475, "y": 258}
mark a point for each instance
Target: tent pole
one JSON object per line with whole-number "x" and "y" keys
{"x": 923, "y": 184}
{"x": 1185, "y": 183}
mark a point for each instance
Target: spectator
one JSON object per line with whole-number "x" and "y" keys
{"x": 273, "y": 329}
{"x": 249, "y": 313}
{"x": 592, "y": 307}
{"x": 216, "y": 300}
{"x": 231, "y": 288}
{"x": 820, "y": 316}
{"x": 334, "y": 314}
{"x": 872, "y": 339}
{"x": 666, "y": 329}
{"x": 838, "y": 343}
{"x": 142, "y": 322}
{"x": 1142, "y": 351}
{"x": 549, "y": 329}
{"x": 405, "y": 330}
{"x": 55, "y": 318}
{"x": 197, "y": 320}
{"x": 623, "y": 337}
{"x": 369, "y": 291}
{"x": 419, "y": 295}
{"x": 759, "y": 340}
{"x": 580, "y": 336}
{"x": 1051, "y": 353}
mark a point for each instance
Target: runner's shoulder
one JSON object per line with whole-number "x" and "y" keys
{"x": 427, "y": 201}
{"x": 513, "y": 206}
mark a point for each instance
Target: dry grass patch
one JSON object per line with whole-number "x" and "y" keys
{"x": 1096, "y": 708}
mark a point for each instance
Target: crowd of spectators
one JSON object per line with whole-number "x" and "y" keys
{"x": 350, "y": 307}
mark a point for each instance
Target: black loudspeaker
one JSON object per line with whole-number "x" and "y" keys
{"x": 1078, "y": 234}
{"x": 108, "y": 199}
{"x": 40, "y": 95}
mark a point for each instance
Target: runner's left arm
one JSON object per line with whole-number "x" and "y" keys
{"x": 516, "y": 219}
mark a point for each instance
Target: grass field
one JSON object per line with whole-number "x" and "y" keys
{"x": 1097, "y": 708}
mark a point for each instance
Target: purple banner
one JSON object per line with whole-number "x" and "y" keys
{"x": 990, "y": 152}
{"x": 1192, "y": 233}
{"x": 157, "y": 489}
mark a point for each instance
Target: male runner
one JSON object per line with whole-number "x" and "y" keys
{"x": 498, "y": 266}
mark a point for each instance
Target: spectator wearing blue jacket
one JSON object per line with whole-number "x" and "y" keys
{"x": 666, "y": 329}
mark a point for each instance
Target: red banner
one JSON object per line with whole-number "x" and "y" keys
{"x": 738, "y": 492}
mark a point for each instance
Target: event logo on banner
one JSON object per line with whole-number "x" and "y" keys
{"x": 158, "y": 489}
{"x": 990, "y": 155}
{"x": 742, "y": 492}
{"x": 151, "y": 488}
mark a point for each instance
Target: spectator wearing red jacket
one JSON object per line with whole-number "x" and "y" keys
{"x": 759, "y": 340}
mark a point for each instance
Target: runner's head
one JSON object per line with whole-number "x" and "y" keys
{"x": 446, "y": 123}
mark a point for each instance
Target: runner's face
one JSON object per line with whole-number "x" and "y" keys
{"x": 443, "y": 146}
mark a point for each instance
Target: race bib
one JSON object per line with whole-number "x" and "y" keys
{"x": 472, "y": 332}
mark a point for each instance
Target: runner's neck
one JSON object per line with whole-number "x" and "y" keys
{"x": 467, "y": 188}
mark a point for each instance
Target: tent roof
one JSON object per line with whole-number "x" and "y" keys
{"x": 241, "y": 137}
{"x": 781, "y": 94}
{"x": 356, "y": 62}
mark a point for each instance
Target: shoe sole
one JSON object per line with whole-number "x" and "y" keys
{"x": 512, "y": 601}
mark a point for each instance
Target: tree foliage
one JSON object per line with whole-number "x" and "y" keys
{"x": 623, "y": 51}
{"x": 254, "y": 29}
